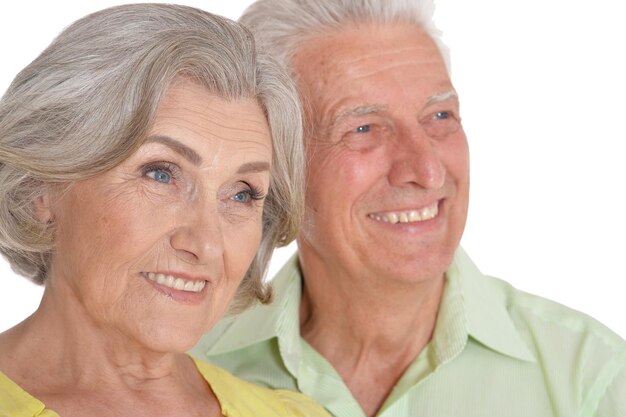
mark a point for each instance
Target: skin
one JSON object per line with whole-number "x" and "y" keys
{"x": 386, "y": 137}
{"x": 106, "y": 340}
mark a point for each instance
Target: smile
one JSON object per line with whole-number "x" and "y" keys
{"x": 173, "y": 282}
{"x": 408, "y": 216}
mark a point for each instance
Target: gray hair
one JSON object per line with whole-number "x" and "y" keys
{"x": 282, "y": 25}
{"x": 87, "y": 102}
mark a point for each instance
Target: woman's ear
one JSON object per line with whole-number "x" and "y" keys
{"x": 43, "y": 208}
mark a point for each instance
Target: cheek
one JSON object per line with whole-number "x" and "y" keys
{"x": 113, "y": 235}
{"x": 457, "y": 158}
{"x": 129, "y": 228}
{"x": 241, "y": 243}
{"x": 343, "y": 178}
{"x": 457, "y": 166}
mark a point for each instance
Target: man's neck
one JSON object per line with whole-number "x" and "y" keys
{"x": 370, "y": 329}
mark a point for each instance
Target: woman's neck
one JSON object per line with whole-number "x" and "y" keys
{"x": 63, "y": 359}
{"x": 60, "y": 345}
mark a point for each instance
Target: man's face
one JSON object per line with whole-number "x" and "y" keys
{"x": 388, "y": 179}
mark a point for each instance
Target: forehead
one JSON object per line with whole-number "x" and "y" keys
{"x": 371, "y": 64}
{"x": 191, "y": 113}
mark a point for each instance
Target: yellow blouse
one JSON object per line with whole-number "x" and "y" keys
{"x": 237, "y": 398}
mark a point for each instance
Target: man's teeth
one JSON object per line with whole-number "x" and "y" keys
{"x": 410, "y": 216}
{"x": 176, "y": 283}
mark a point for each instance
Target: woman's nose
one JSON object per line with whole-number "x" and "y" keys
{"x": 199, "y": 237}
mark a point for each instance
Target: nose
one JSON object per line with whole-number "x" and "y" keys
{"x": 199, "y": 238}
{"x": 416, "y": 160}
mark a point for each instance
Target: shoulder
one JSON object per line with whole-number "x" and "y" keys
{"x": 550, "y": 319}
{"x": 568, "y": 343}
{"x": 241, "y": 398}
{"x": 15, "y": 402}
{"x": 300, "y": 405}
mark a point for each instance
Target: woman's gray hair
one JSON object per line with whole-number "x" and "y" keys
{"x": 87, "y": 102}
{"x": 282, "y": 25}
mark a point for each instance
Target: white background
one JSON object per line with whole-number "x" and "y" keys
{"x": 543, "y": 103}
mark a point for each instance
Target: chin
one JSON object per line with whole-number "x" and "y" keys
{"x": 419, "y": 267}
{"x": 169, "y": 339}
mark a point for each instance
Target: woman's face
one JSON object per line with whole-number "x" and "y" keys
{"x": 155, "y": 248}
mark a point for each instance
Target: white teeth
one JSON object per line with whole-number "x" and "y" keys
{"x": 176, "y": 283}
{"x": 161, "y": 279}
{"x": 170, "y": 281}
{"x": 410, "y": 216}
{"x": 179, "y": 284}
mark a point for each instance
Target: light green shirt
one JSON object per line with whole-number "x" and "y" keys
{"x": 496, "y": 351}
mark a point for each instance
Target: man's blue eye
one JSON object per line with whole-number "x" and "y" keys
{"x": 441, "y": 115}
{"x": 160, "y": 175}
{"x": 362, "y": 129}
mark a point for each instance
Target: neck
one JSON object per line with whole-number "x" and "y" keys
{"x": 367, "y": 311}
{"x": 60, "y": 340}
{"x": 369, "y": 328}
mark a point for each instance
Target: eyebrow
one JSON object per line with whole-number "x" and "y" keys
{"x": 180, "y": 148}
{"x": 358, "y": 111}
{"x": 193, "y": 157}
{"x": 252, "y": 167}
{"x": 439, "y": 97}
{"x": 378, "y": 108}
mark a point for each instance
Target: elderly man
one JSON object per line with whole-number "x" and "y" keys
{"x": 381, "y": 313}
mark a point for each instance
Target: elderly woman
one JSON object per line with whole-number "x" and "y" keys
{"x": 144, "y": 156}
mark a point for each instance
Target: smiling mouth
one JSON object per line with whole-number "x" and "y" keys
{"x": 175, "y": 283}
{"x": 407, "y": 216}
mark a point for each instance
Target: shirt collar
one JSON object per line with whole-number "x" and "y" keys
{"x": 486, "y": 318}
{"x": 471, "y": 306}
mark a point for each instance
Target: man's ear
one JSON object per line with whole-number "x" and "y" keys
{"x": 43, "y": 207}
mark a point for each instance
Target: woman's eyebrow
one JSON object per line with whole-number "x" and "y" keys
{"x": 178, "y": 147}
{"x": 252, "y": 167}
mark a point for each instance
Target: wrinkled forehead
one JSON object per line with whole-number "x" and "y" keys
{"x": 369, "y": 65}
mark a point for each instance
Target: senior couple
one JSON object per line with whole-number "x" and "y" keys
{"x": 152, "y": 157}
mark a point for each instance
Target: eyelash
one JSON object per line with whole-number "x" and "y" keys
{"x": 253, "y": 192}
{"x": 168, "y": 167}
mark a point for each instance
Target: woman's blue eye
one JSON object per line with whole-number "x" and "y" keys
{"x": 160, "y": 175}
{"x": 362, "y": 129}
{"x": 246, "y": 196}
{"x": 242, "y": 197}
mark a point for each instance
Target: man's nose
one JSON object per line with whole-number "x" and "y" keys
{"x": 417, "y": 161}
{"x": 199, "y": 237}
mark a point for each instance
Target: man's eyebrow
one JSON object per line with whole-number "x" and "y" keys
{"x": 178, "y": 147}
{"x": 252, "y": 167}
{"x": 358, "y": 111}
{"x": 439, "y": 97}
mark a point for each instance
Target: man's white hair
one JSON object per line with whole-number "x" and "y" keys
{"x": 281, "y": 25}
